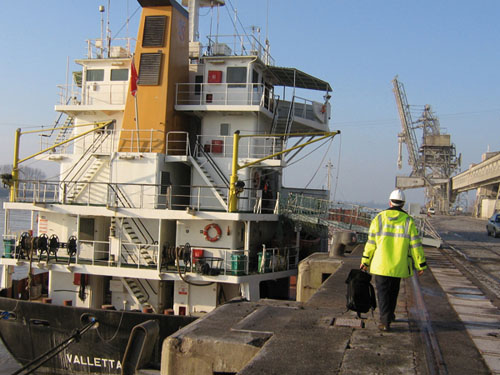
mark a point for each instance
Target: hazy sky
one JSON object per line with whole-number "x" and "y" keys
{"x": 445, "y": 52}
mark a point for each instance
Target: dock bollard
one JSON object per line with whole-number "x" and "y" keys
{"x": 339, "y": 241}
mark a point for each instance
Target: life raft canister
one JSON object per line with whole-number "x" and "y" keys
{"x": 207, "y": 235}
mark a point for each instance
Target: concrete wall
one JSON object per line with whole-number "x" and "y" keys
{"x": 313, "y": 271}
{"x": 487, "y": 208}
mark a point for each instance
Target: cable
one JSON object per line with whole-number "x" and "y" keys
{"x": 306, "y": 155}
{"x": 338, "y": 169}
{"x": 114, "y": 334}
{"x": 320, "y": 164}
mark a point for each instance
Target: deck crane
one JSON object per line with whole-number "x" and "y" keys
{"x": 433, "y": 162}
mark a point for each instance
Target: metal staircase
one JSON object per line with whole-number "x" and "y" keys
{"x": 137, "y": 233}
{"x": 65, "y": 131}
{"x": 137, "y": 291}
{"x": 131, "y": 229}
{"x": 208, "y": 169}
{"x": 84, "y": 170}
{"x": 94, "y": 168}
{"x": 282, "y": 124}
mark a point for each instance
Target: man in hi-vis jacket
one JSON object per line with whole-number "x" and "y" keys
{"x": 393, "y": 248}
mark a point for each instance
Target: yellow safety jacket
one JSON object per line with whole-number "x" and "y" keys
{"x": 393, "y": 245}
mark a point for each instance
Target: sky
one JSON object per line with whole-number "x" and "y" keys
{"x": 446, "y": 53}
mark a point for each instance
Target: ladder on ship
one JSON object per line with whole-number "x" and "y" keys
{"x": 81, "y": 174}
{"x": 200, "y": 166}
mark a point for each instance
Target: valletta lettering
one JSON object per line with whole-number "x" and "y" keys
{"x": 81, "y": 360}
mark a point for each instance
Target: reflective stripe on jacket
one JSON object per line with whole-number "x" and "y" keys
{"x": 393, "y": 245}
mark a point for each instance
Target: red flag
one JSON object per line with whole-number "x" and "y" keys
{"x": 133, "y": 79}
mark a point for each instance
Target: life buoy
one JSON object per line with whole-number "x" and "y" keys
{"x": 323, "y": 108}
{"x": 256, "y": 180}
{"x": 207, "y": 235}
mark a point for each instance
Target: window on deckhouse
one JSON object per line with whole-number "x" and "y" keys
{"x": 94, "y": 75}
{"x": 119, "y": 74}
{"x": 236, "y": 74}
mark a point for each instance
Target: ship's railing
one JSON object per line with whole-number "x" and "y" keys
{"x": 237, "y": 45}
{"x": 226, "y": 94}
{"x": 148, "y": 196}
{"x": 131, "y": 255}
{"x": 94, "y": 93}
{"x": 243, "y": 262}
{"x": 70, "y": 94}
{"x": 101, "y": 142}
{"x": 307, "y": 109}
{"x": 100, "y": 49}
{"x": 38, "y": 191}
{"x": 178, "y": 143}
{"x": 222, "y": 146}
{"x": 202, "y": 260}
{"x": 134, "y": 255}
{"x": 147, "y": 140}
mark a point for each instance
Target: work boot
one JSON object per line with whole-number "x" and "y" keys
{"x": 384, "y": 328}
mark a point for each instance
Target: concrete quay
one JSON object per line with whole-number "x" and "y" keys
{"x": 320, "y": 337}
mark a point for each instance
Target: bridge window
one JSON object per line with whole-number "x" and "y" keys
{"x": 119, "y": 74}
{"x": 236, "y": 74}
{"x": 94, "y": 75}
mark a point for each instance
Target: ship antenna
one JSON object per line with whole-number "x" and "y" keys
{"x": 127, "y": 32}
{"x": 267, "y": 52}
{"x": 108, "y": 31}
{"x": 101, "y": 10}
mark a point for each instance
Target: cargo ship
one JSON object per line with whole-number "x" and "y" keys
{"x": 169, "y": 200}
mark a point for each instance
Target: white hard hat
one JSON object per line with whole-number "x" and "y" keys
{"x": 397, "y": 197}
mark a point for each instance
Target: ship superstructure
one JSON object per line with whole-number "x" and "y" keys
{"x": 171, "y": 162}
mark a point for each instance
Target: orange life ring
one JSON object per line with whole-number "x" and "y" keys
{"x": 207, "y": 235}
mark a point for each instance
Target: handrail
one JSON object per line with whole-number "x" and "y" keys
{"x": 274, "y": 121}
{"x": 289, "y": 119}
{"x": 213, "y": 164}
{"x": 17, "y": 161}
{"x": 119, "y": 194}
{"x": 226, "y": 94}
{"x": 188, "y": 146}
{"x": 85, "y": 165}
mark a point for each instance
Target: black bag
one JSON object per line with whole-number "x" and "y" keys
{"x": 360, "y": 292}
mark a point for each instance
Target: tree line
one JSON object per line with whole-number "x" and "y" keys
{"x": 25, "y": 173}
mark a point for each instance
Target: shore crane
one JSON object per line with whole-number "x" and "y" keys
{"x": 433, "y": 161}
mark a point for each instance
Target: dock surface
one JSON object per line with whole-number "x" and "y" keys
{"x": 448, "y": 321}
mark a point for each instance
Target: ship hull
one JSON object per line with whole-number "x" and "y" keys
{"x": 30, "y": 329}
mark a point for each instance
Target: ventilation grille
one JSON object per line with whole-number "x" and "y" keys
{"x": 154, "y": 31}
{"x": 150, "y": 68}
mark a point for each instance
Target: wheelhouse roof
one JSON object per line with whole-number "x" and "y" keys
{"x": 292, "y": 77}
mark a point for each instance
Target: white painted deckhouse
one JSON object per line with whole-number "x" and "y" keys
{"x": 154, "y": 206}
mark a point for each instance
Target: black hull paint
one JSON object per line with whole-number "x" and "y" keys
{"x": 38, "y": 327}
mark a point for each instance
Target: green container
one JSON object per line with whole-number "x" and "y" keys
{"x": 9, "y": 246}
{"x": 267, "y": 266}
{"x": 238, "y": 264}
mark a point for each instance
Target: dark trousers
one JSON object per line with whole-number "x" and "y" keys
{"x": 387, "y": 295}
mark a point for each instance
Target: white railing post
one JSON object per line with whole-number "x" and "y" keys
{"x": 199, "y": 193}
